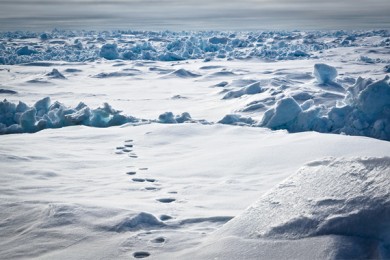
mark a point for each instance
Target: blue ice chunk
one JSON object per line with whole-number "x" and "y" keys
{"x": 25, "y": 50}
{"x": 374, "y": 100}
{"x": 324, "y": 73}
{"x": 283, "y": 115}
{"x": 28, "y": 121}
{"x": 167, "y": 118}
{"x": 218, "y": 40}
{"x": 44, "y": 36}
{"x": 109, "y": 51}
{"x": 42, "y": 106}
{"x": 184, "y": 117}
{"x": 7, "y": 112}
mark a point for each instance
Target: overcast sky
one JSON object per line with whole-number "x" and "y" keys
{"x": 194, "y": 14}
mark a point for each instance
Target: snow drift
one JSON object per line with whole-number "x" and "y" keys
{"x": 334, "y": 208}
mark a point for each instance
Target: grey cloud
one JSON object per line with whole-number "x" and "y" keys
{"x": 194, "y": 14}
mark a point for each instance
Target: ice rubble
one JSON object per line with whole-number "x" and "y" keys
{"x": 21, "y": 118}
{"x": 314, "y": 214}
{"x": 80, "y": 46}
{"x": 365, "y": 112}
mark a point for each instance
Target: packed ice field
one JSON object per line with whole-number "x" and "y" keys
{"x": 195, "y": 145}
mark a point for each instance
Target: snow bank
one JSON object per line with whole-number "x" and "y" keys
{"x": 365, "y": 112}
{"x": 333, "y": 208}
{"x": 21, "y": 118}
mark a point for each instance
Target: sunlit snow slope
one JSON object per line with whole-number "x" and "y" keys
{"x": 329, "y": 209}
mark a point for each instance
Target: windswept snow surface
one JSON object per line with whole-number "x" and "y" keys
{"x": 329, "y": 209}
{"x": 158, "y": 188}
{"x": 126, "y": 144}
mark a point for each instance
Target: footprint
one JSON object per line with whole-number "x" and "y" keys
{"x": 141, "y": 254}
{"x": 133, "y": 156}
{"x": 128, "y": 145}
{"x": 131, "y": 173}
{"x": 119, "y": 152}
{"x": 166, "y": 200}
{"x": 172, "y": 192}
{"x": 143, "y": 169}
{"x": 128, "y": 141}
{"x": 120, "y": 147}
{"x": 158, "y": 240}
{"x": 127, "y": 150}
{"x": 138, "y": 180}
{"x": 150, "y": 180}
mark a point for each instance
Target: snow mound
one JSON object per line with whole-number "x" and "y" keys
{"x": 55, "y": 74}
{"x": 21, "y": 118}
{"x": 324, "y": 73}
{"x": 139, "y": 221}
{"x": 338, "y": 207}
{"x": 182, "y": 73}
{"x": 365, "y": 112}
{"x": 250, "y": 89}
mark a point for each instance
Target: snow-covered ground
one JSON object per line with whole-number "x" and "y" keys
{"x": 144, "y": 144}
